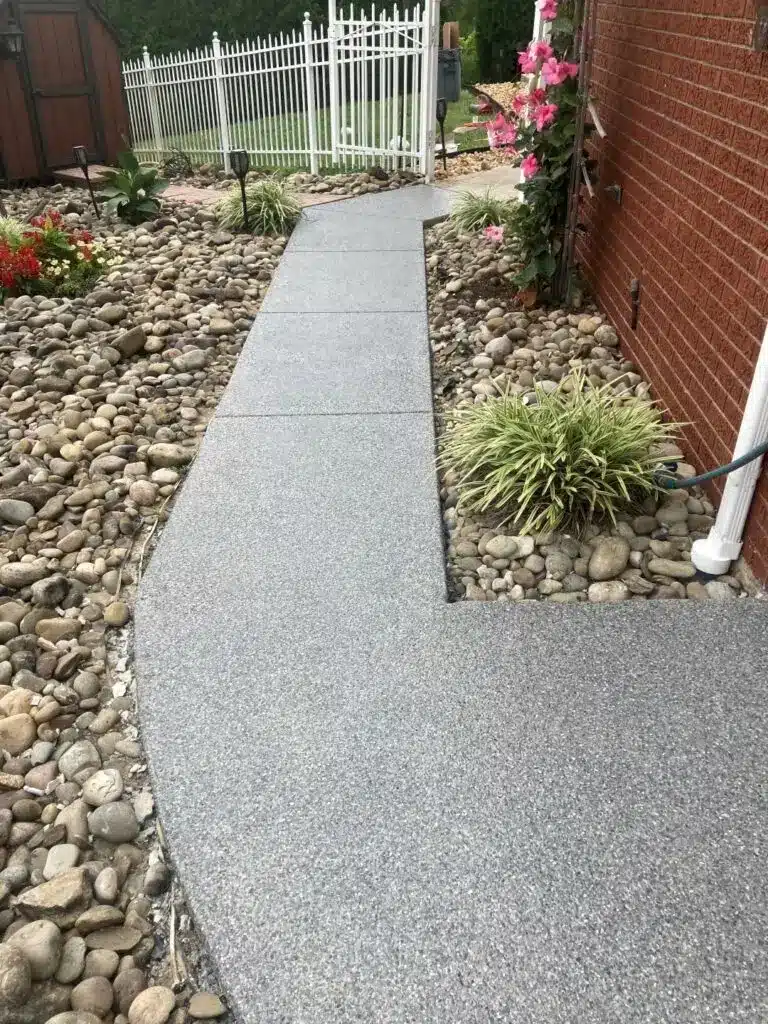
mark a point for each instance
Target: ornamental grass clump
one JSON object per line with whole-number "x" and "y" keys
{"x": 574, "y": 456}
{"x": 473, "y": 213}
{"x": 273, "y": 208}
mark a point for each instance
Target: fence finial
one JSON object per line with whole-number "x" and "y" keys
{"x": 215, "y": 35}
{"x": 144, "y": 49}
{"x": 306, "y": 15}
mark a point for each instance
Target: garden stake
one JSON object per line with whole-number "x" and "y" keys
{"x": 442, "y": 110}
{"x": 80, "y": 153}
{"x": 239, "y": 162}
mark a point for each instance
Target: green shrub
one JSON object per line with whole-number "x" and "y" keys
{"x": 177, "y": 164}
{"x": 273, "y": 208}
{"x": 133, "y": 192}
{"x": 473, "y": 213}
{"x": 470, "y": 66}
{"x": 503, "y": 28}
{"x": 559, "y": 463}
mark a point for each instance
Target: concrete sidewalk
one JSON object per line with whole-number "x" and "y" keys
{"x": 390, "y": 810}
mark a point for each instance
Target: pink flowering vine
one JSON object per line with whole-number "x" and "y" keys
{"x": 539, "y": 130}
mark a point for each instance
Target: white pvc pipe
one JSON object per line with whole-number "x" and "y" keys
{"x": 715, "y": 553}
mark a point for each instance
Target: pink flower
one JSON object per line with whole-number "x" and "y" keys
{"x": 528, "y": 59}
{"x": 536, "y": 97}
{"x": 541, "y": 50}
{"x": 555, "y": 71}
{"x": 530, "y": 166}
{"x": 494, "y": 233}
{"x": 501, "y": 132}
{"x": 545, "y": 115}
{"x": 519, "y": 103}
{"x": 548, "y": 9}
{"x": 528, "y": 66}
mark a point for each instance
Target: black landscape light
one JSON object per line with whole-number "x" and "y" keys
{"x": 11, "y": 39}
{"x": 442, "y": 112}
{"x": 238, "y": 159}
{"x": 80, "y": 153}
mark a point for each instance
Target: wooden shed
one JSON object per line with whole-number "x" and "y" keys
{"x": 60, "y": 86}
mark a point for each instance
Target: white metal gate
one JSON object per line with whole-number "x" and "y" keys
{"x": 359, "y": 91}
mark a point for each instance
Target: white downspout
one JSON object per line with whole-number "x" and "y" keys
{"x": 715, "y": 553}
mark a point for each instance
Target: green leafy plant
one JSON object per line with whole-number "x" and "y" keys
{"x": 133, "y": 191}
{"x": 12, "y": 231}
{"x": 273, "y": 208}
{"x": 569, "y": 457}
{"x": 472, "y": 212}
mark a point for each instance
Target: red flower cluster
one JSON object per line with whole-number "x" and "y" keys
{"x": 49, "y": 219}
{"x": 18, "y": 266}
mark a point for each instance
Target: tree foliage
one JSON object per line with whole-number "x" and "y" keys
{"x": 503, "y": 28}
{"x": 183, "y": 24}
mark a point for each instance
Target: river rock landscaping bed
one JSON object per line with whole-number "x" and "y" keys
{"x": 358, "y": 183}
{"x": 104, "y": 400}
{"x": 482, "y": 341}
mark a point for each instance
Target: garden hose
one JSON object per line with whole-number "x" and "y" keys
{"x": 672, "y": 483}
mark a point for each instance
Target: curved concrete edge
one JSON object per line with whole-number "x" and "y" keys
{"x": 389, "y": 809}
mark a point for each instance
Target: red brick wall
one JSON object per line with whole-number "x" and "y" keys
{"x": 684, "y": 100}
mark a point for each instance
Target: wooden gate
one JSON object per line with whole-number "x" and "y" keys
{"x": 61, "y": 83}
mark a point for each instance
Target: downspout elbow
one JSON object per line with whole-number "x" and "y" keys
{"x": 714, "y": 553}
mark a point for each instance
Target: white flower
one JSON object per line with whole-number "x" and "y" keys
{"x": 141, "y": 194}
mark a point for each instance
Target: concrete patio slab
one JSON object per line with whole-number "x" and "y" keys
{"x": 391, "y": 810}
{"x": 342, "y": 282}
{"x": 371, "y": 362}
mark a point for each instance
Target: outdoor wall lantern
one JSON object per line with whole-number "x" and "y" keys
{"x": 80, "y": 153}
{"x": 442, "y": 112}
{"x": 239, "y": 162}
{"x": 11, "y": 39}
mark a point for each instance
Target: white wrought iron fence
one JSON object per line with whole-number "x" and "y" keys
{"x": 358, "y": 91}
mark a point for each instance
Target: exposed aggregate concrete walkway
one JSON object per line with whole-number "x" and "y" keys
{"x": 388, "y": 809}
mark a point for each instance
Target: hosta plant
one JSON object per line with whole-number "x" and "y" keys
{"x": 273, "y": 208}
{"x": 559, "y": 462}
{"x": 133, "y": 190}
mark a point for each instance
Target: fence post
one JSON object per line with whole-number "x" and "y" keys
{"x": 309, "y": 79}
{"x": 221, "y": 103}
{"x": 154, "y": 107}
{"x": 431, "y": 29}
{"x": 333, "y": 79}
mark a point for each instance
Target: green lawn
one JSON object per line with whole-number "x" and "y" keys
{"x": 288, "y": 131}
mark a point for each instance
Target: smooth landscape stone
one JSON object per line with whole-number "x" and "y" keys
{"x": 152, "y": 1006}
{"x": 41, "y": 944}
{"x": 15, "y": 975}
